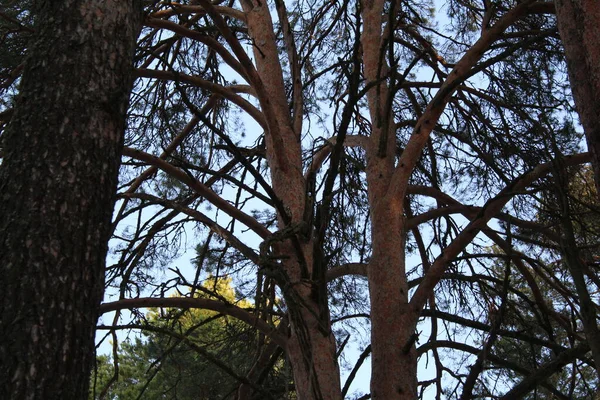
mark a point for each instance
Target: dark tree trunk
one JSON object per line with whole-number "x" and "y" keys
{"x": 57, "y": 184}
{"x": 579, "y": 27}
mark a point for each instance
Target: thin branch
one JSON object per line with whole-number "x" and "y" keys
{"x": 201, "y": 189}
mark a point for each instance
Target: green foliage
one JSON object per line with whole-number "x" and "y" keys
{"x": 170, "y": 360}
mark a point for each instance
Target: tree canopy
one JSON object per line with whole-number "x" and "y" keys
{"x": 406, "y": 178}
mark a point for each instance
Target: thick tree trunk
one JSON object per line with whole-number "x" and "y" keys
{"x": 579, "y": 27}
{"x": 57, "y": 182}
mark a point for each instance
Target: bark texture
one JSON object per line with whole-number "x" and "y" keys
{"x": 394, "y": 362}
{"x": 57, "y": 183}
{"x": 579, "y": 27}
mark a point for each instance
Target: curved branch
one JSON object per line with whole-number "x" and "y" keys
{"x": 270, "y": 123}
{"x": 167, "y": 151}
{"x": 213, "y": 87}
{"x": 363, "y": 356}
{"x": 539, "y": 375}
{"x": 206, "y": 304}
{"x": 543, "y": 372}
{"x": 181, "y": 9}
{"x": 200, "y": 217}
{"x": 202, "y": 38}
{"x": 468, "y": 211}
{"x": 488, "y": 211}
{"x": 359, "y": 269}
{"x": 295, "y": 66}
{"x": 486, "y": 328}
{"x": 321, "y": 154}
{"x": 436, "y": 106}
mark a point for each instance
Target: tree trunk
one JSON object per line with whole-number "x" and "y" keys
{"x": 579, "y": 27}
{"x": 57, "y": 184}
{"x": 393, "y": 359}
{"x": 312, "y": 348}
{"x": 394, "y": 362}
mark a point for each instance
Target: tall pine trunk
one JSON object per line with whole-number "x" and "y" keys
{"x": 394, "y": 361}
{"x": 312, "y": 347}
{"x": 393, "y": 357}
{"x": 57, "y": 183}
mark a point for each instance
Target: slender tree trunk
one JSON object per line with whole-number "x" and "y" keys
{"x": 311, "y": 346}
{"x": 393, "y": 359}
{"x": 57, "y": 184}
{"x": 579, "y": 27}
{"x": 394, "y": 362}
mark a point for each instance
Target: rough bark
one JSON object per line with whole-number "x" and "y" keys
{"x": 579, "y": 28}
{"x": 394, "y": 362}
{"x": 57, "y": 183}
